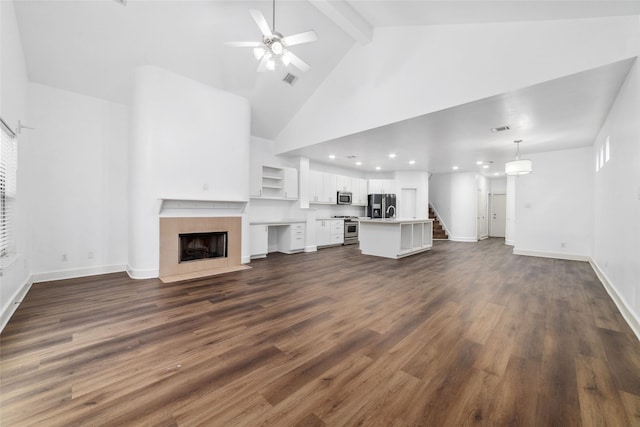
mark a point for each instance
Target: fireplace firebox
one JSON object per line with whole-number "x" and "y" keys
{"x": 198, "y": 246}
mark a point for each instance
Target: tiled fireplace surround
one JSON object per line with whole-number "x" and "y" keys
{"x": 172, "y": 270}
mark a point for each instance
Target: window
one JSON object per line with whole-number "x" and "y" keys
{"x": 8, "y": 180}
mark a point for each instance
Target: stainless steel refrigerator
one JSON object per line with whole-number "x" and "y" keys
{"x": 381, "y": 206}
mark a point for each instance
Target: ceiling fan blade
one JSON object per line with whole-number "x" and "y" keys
{"x": 298, "y": 63}
{"x": 243, "y": 44}
{"x": 262, "y": 23}
{"x": 262, "y": 67}
{"x": 306, "y": 37}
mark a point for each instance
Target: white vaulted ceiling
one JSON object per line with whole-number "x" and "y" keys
{"x": 93, "y": 46}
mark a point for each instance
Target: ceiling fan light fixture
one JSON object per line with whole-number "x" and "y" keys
{"x": 271, "y": 64}
{"x": 259, "y": 52}
{"x": 277, "y": 48}
{"x": 286, "y": 58}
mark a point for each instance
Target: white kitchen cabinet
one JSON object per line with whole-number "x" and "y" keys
{"x": 292, "y": 238}
{"x": 315, "y": 186}
{"x": 290, "y": 183}
{"x": 344, "y": 183}
{"x": 359, "y": 190}
{"x": 274, "y": 182}
{"x": 382, "y": 186}
{"x": 259, "y": 240}
{"x": 329, "y": 232}
{"x": 330, "y": 188}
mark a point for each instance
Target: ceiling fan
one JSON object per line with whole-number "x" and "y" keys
{"x": 274, "y": 46}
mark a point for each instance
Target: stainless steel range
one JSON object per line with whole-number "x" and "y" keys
{"x": 350, "y": 229}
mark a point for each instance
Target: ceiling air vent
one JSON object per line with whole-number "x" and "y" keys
{"x": 290, "y": 78}
{"x": 500, "y": 129}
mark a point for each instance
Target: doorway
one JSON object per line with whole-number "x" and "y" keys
{"x": 498, "y": 215}
{"x": 483, "y": 224}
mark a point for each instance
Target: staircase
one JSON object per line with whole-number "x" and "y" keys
{"x": 439, "y": 233}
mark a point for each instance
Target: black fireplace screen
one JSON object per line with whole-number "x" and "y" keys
{"x": 195, "y": 246}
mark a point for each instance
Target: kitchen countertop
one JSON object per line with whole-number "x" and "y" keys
{"x": 279, "y": 222}
{"x": 394, "y": 220}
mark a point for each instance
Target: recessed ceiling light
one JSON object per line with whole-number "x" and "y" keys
{"x": 378, "y": 168}
{"x": 358, "y": 163}
{"x": 485, "y": 167}
{"x": 412, "y": 162}
{"x": 455, "y": 168}
{"x": 332, "y": 156}
{"x": 479, "y": 162}
{"x": 392, "y": 155}
{"x": 496, "y": 174}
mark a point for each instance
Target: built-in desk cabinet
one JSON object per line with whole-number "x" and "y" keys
{"x": 286, "y": 237}
{"x": 259, "y": 240}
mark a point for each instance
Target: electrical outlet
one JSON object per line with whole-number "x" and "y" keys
{"x": 90, "y": 255}
{"x": 64, "y": 257}
{"x": 563, "y": 245}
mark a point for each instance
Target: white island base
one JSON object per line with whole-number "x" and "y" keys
{"x": 395, "y": 238}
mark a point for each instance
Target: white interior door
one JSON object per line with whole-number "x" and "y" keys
{"x": 498, "y": 215}
{"x": 407, "y": 208}
{"x": 483, "y": 223}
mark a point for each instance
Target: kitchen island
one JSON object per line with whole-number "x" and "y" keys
{"x": 395, "y": 238}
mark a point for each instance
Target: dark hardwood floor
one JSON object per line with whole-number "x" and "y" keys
{"x": 464, "y": 334}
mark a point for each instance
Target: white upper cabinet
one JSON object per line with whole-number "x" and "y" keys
{"x": 359, "y": 190}
{"x": 323, "y": 188}
{"x": 274, "y": 182}
{"x": 316, "y": 186}
{"x": 344, "y": 183}
{"x": 330, "y": 188}
{"x": 290, "y": 183}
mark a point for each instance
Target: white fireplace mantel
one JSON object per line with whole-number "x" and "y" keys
{"x": 181, "y": 206}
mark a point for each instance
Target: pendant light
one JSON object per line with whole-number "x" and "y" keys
{"x": 518, "y": 166}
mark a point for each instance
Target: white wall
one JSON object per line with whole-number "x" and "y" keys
{"x": 390, "y": 80}
{"x": 189, "y": 141}
{"x": 482, "y": 210}
{"x": 76, "y": 183}
{"x": 510, "y": 227}
{"x": 554, "y": 205}
{"x": 454, "y": 197}
{"x": 498, "y": 185}
{"x": 418, "y": 180}
{"x": 616, "y": 236}
{"x": 14, "y": 281}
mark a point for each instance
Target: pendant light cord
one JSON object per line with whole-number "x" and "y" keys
{"x": 274, "y": 16}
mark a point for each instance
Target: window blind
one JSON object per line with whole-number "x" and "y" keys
{"x": 8, "y": 190}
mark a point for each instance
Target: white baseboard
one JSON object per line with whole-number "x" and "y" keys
{"x": 509, "y": 242}
{"x": 311, "y": 248}
{"x": 632, "y": 320}
{"x": 245, "y": 260}
{"x": 463, "y": 239}
{"x": 14, "y": 302}
{"x": 77, "y": 272}
{"x": 142, "y": 274}
{"x": 556, "y": 255}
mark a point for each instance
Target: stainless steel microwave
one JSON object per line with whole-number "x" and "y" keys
{"x": 344, "y": 198}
